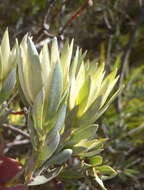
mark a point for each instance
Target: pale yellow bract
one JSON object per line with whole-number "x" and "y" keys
{"x": 66, "y": 94}
{"x": 7, "y": 67}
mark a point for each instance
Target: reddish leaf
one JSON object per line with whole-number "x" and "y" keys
{"x": 8, "y": 169}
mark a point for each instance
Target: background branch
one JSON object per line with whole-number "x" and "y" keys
{"x": 78, "y": 12}
{"x": 16, "y": 130}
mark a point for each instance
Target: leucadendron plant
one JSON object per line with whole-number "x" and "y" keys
{"x": 7, "y": 74}
{"x": 44, "y": 86}
{"x": 65, "y": 95}
{"x": 7, "y": 68}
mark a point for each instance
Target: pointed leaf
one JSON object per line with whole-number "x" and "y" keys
{"x": 106, "y": 171}
{"x": 45, "y": 64}
{"x": 54, "y": 53}
{"x": 61, "y": 118}
{"x": 34, "y": 69}
{"x": 49, "y": 147}
{"x": 96, "y": 160}
{"x": 59, "y": 158}
{"x": 5, "y": 52}
{"x": 83, "y": 133}
{"x": 55, "y": 91}
{"x": 37, "y": 111}
{"x": 42, "y": 179}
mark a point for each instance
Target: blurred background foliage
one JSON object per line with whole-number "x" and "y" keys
{"x": 109, "y": 30}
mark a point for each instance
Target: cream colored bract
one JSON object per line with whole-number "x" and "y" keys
{"x": 7, "y": 67}
{"x": 65, "y": 94}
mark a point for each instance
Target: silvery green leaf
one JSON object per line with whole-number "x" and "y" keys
{"x": 23, "y": 84}
{"x": 31, "y": 48}
{"x": 61, "y": 118}
{"x": 84, "y": 132}
{"x": 54, "y": 52}
{"x": 33, "y": 133}
{"x": 66, "y": 56}
{"x": 50, "y": 145}
{"x": 108, "y": 91}
{"x": 59, "y": 158}
{"x": 74, "y": 64}
{"x": 12, "y": 57}
{"x": 21, "y": 94}
{"x": 64, "y": 96}
{"x": 9, "y": 82}
{"x": 29, "y": 69}
{"x": 70, "y": 117}
{"x": 96, "y": 80}
{"x": 39, "y": 180}
{"x": 45, "y": 64}
{"x": 72, "y": 96}
{"x": 76, "y": 85}
{"x": 84, "y": 92}
{"x": 34, "y": 69}
{"x": 88, "y": 117}
{"x": 37, "y": 111}
{"x": 55, "y": 92}
{"x": 62, "y": 156}
{"x": 91, "y": 143}
{"x": 42, "y": 179}
{"x": 80, "y": 79}
{"x": 90, "y": 147}
{"x": 107, "y": 85}
{"x": 105, "y": 107}
{"x": 5, "y": 51}
{"x": 80, "y": 60}
{"x": 94, "y": 112}
{"x": 56, "y": 123}
{"x": 5, "y": 45}
{"x": 8, "y": 85}
{"x": 98, "y": 144}
{"x": 82, "y": 98}
{"x": 77, "y": 61}
{"x": 23, "y": 70}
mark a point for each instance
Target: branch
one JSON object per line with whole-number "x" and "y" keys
{"x": 15, "y": 129}
{"x": 87, "y": 4}
{"x": 45, "y": 27}
{"x": 16, "y": 142}
{"x": 49, "y": 7}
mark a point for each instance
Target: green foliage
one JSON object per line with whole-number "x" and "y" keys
{"x": 52, "y": 84}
